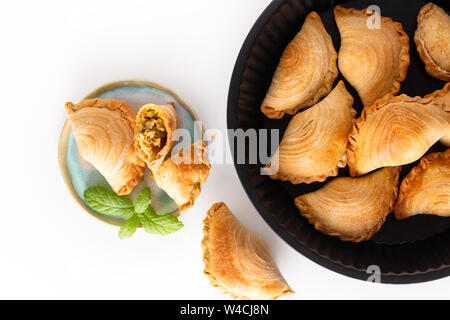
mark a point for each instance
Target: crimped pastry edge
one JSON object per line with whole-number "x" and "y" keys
{"x": 305, "y": 211}
{"x": 129, "y": 115}
{"x": 440, "y": 94}
{"x": 352, "y": 145}
{"x": 214, "y": 282}
{"x": 404, "y": 56}
{"x": 431, "y": 66}
{"x": 311, "y": 179}
{"x": 323, "y": 90}
{"x": 110, "y": 104}
{"x": 399, "y": 209}
{"x": 171, "y": 124}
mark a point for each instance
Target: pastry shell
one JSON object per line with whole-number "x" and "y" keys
{"x": 374, "y": 60}
{"x": 353, "y": 209}
{"x": 426, "y": 188}
{"x": 314, "y": 143}
{"x": 182, "y": 175}
{"x": 432, "y": 39}
{"x": 305, "y": 73}
{"x": 237, "y": 261}
{"x": 103, "y": 129}
{"x": 396, "y": 130}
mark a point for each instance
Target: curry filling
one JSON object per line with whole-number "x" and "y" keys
{"x": 153, "y": 133}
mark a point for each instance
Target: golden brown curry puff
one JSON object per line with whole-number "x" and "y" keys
{"x": 353, "y": 209}
{"x": 237, "y": 261}
{"x": 396, "y": 130}
{"x": 313, "y": 146}
{"x": 103, "y": 129}
{"x": 374, "y": 60}
{"x": 432, "y": 40}
{"x": 426, "y": 188}
{"x": 182, "y": 175}
{"x": 305, "y": 73}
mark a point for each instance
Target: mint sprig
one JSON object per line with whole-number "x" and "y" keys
{"x": 159, "y": 224}
{"x": 143, "y": 200}
{"x": 107, "y": 202}
{"x": 129, "y": 227}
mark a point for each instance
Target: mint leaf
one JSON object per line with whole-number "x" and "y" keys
{"x": 107, "y": 202}
{"x": 143, "y": 199}
{"x": 129, "y": 227}
{"x": 159, "y": 224}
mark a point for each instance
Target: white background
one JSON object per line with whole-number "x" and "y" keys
{"x": 57, "y": 51}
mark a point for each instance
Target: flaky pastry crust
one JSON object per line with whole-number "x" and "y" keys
{"x": 432, "y": 39}
{"x": 396, "y": 130}
{"x": 375, "y": 61}
{"x": 426, "y": 188}
{"x": 353, "y": 209}
{"x": 103, "y": 129}
{"x": 182, "y": 175}
{"x": 237, "y": 261}
{"x": 314, "y": 143}
{"x": 305, "y": 73}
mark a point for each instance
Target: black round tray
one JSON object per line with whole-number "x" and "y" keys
{"x": 407, "y": 251}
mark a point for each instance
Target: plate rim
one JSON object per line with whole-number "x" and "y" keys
{"x": 65, "y": 132}
{"x": 232, "y": 123}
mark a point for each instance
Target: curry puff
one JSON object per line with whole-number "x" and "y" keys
{"x": 374, "y": 60}
{"x": 426, "y": 188}
{"x": 396, "y": 131}
{"x": 182, "y": 175}
{"x": 432, "y": 40}
{"x": 353, "y": 209}
{"x": 313, "y": 146}
{"x": 237, "y": 261}
{"x": 305, "y": 73}
{"x": 103, "y": 129}
{"x": 155, "y": 125}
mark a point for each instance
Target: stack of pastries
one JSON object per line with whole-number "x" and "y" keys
{"x": 119, "y": 144}
{"x": 393, "y": 130}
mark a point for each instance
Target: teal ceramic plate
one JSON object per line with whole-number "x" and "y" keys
{"x": 80, "y": 174}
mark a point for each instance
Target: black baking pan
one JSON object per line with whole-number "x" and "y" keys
{"x": 406, "y": 251}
